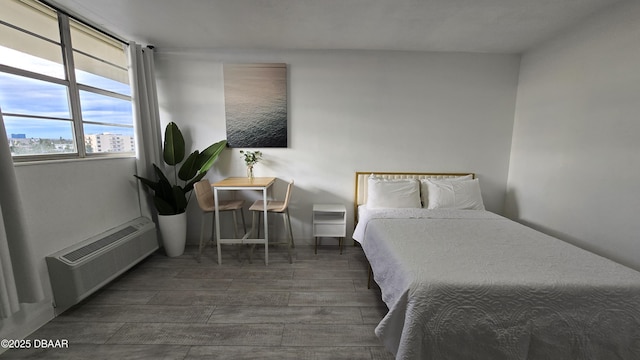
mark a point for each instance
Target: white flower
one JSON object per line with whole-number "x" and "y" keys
{"x": 251, "y": 157}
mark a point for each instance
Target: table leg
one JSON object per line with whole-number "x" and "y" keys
{"x": 217, "y": 211}
{"x": 266, "y": 228}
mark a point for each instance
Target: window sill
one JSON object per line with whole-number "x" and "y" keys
{"x": 69, "y": 160}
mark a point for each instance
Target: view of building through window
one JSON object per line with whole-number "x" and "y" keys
{"x": 50, "y": 107}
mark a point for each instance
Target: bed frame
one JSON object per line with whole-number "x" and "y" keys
{"x": 362, "y": 176}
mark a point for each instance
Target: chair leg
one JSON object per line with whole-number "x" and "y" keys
{"x": 244, "y": 224}
{"x": 253, "y": 229}
{"x": 201, "y": 246}
{"x": 259, "y": 221}
{"x": 235, "y": 232}
{"x": 253, "y": 225}
{"x": 293, "y": 245}
{"x": 285, "y": 218}
{"x": 235, "y": 224}
{"x": 244, "y": 228}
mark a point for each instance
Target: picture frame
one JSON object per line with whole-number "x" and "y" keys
{"x": 256, "y": 107}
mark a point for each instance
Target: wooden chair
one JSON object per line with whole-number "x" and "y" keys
{"x": 204, "y": 195}
{"x": 279, "y": 207}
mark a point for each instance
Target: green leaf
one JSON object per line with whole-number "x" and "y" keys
{"x": 209, "y": 155}
{"x": 163, "y": 207}
{"x": 149, "y": 184}
{"x": 174, "y": 147}
{"x": 191, "y": 183}
{"x": 189, "y": 169}
{"x": 160, "y": 174}
{"x": 165, "y": 192}
{"x": 180, "y": 199}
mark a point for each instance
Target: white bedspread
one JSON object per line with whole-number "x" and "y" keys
{"x": 467, "y": 284}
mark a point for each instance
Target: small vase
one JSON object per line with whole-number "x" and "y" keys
{"x": 250, "y": 171}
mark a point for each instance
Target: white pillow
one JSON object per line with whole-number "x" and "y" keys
{"x": 393, "y": 193}
{"x": 424, "y": 191}
{"x": 454, "y": 194}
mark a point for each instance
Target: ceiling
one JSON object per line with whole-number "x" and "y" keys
{"x": 493, "y": 26}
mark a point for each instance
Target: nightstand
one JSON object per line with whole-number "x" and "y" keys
{"x": 329, "y": 220}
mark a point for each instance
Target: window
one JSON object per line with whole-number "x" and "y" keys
{"x": 64, "y": 86}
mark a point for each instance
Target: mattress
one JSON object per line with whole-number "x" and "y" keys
{"x": 466, "y": 284}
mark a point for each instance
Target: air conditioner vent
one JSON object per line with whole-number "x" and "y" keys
{"x": 81, "y": 269}
{"x": 97, "y": 245}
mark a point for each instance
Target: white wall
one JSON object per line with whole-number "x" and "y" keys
{"x": 64, "y": 203}
{"x": 575, "y": 160}
{"x": 356, "y": 111}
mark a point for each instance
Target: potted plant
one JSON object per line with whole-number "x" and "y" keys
{"x": 172, "y": 197}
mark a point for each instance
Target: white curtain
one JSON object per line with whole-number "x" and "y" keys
{"x": 146, "y": 118}
{"x": 19, "y": 278}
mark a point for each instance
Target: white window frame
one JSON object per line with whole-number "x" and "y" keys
{"x": 73, "y": 91}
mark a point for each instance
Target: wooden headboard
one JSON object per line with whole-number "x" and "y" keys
{"x": 362, "y": 176}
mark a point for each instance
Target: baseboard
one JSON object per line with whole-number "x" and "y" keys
{"x": 30, "y": 318}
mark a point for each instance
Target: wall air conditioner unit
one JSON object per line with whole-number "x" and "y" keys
{"x": 79, "y": 270}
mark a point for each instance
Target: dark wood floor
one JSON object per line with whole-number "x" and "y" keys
{"x": 319, "y": 307}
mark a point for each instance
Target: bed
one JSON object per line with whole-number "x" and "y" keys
{"x": 461, "y": 282}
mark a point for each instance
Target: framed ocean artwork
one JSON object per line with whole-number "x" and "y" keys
{"x": 255, "y": 97}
